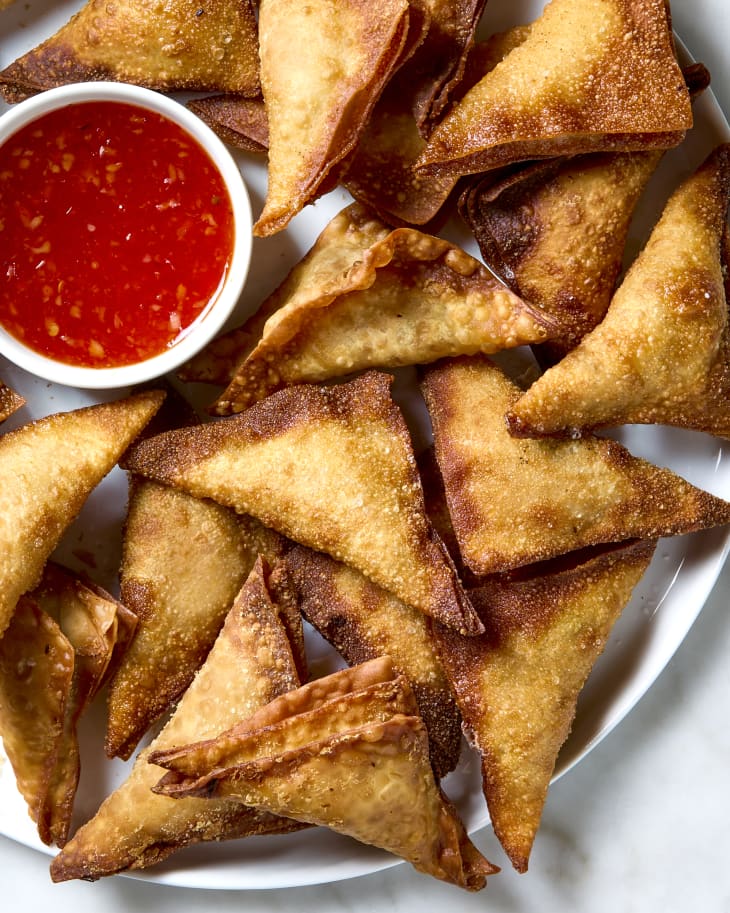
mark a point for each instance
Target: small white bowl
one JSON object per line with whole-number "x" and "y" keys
{"x": 212, "y": 320}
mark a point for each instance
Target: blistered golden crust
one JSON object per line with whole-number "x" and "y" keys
{"x": 10, "y": 401}
{"x": 47, "y": 470}
{"x": 363, "y": 621}
{"x": 518, "y": 683}
{"x": 556, "y": 233}
{"x": 184, "y": 560}
{"x": 180, "y": 46}
{"x": 330, "y": 467}
{"x": 404, "y": 297}
{"x": 240, "y": 122}
{"x": 515, "y": 501}
{"x": 36, "y": 674}
{"x": 662, "y": 352}
{"x": 349, "y": 763}
{"x": 249, "y": 665}
{"x": 318, "y": 104}
{"x": 592, "y": 75}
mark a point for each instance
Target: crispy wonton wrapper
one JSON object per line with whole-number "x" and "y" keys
{"x": 517, "y": 684}
{"x": 556, "y": 233}
{"x": 47, "y": 470}
{"x": 363, "y": 621}
{"x": 250, "y": 664}
{"x": 275, "y": 460}
{"x": 382, "y": 173}
{"x": 10, "y": 401}
{"x": 169, "y": 47}
{"x": 330, "y": 467}
{"x": 36, "y": 674}
{"x": 318, "y": 99}
{"x": 368, "y": 296}
{"x": 514, "y": 501}
{"x": 184, "y": 559}
{"x": 662, "y": 352}
{"x": 240, "y": 122}
{"x": 54, "y": 657}
{"x": 337, "y": 753}
{"x": 592, "y": 75}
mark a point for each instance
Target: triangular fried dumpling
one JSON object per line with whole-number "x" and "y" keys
{"x": 169, "y": 47}
{"x": 36, "y": 674}
{"x": 250, "y": 664}
{"x": 399, "y": 297}
{"x": 183, "y": 561}
{"x": 93, "y": 624}
{"x": 361, "y": 621}
{"x": 518, "y": 683}
{"x": 662, "y": 352}
{"x": 360, "y": 767}
{"x": 556, "y": 233}
{"x": 10, "y": 401}
{"x": 318, "y": 98}
{"x": 592, "y": 75}
{"x": 47, "y": 470}
{"x": 330, "y": 467}
{"x": 514, "y": 501}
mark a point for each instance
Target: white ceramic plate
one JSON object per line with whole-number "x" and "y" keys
{"x": 651, "y": 628}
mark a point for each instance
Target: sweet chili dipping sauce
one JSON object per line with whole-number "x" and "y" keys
{"x": 116, "y": 233}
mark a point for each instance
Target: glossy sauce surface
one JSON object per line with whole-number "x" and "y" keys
{"x": 116, "y": 233}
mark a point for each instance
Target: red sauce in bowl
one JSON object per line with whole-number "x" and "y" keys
{"x": 116, "y": 234}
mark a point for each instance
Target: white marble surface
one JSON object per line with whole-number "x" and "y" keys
{"x": 640, "y": 825}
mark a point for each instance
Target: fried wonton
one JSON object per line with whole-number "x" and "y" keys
{"x": 336, "y": 753}
{"x": 184, "y": 559}
{"x": 10, "y": 401}
{"x": 318, "y": 99}
{"x": 518, "y": 683}
{"x": 662, "y": 352}
{"x": 47, "y": 470}
{"x": 54, "y": 657}
{"x": 240, "y": 122}
{"x": 592, "y": 75}
{"x": 363, "y": 621}
{"x": 556, "y": 231}
{"x": 331, "y": 468}
{"x": 184, "y": 45}
{"x": 249, "y": 665}
{"x": 514, "y": 501}
{"x": 383, "y": 298}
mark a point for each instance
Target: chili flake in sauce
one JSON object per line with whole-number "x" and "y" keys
{"x": 116, "y": 233}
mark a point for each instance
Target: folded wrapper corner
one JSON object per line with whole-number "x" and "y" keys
{"x": 10, "y": 401}
{"x": 661, "y": 355}
{"x": 347, "y": 752}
